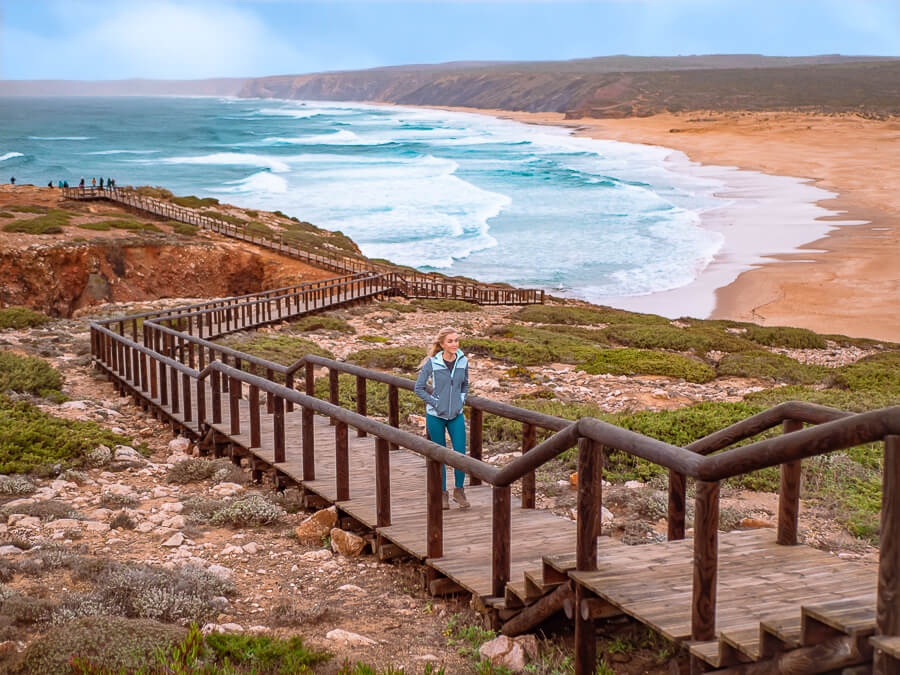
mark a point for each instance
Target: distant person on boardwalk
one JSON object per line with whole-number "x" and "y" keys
{"x": 65, "y": 184}
{"x": 50, "y": 184}
{"x": 81, "y": 184}
{"x": 448, "y": 369}
{"x": 61, "y": 184}
{"x": 12, "y": 179}
{"x": 101, "y": 183}
{"x": 93, "y": 182}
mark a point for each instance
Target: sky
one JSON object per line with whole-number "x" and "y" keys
{"x": 193, "y": 39}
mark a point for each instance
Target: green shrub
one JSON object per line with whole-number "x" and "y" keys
{"x": 264, "y": 654}
{"x": 567, "y": 346}
{"x": 50, "y": 223}
{"x": 251, "y": 213}
{"x": 769, "y": 365}
{"x": 309, "y": 323}
{"x": 299, "y": 226}
{"x": 375, "y": 338}
{"x": 6, "y": 214}
{"x": 447, "y": 306}
{"x": 583, "y": 316}
{"x": 45, "y": 510}
{"x": 31, "y": 439}
{"x": 406, "y": 359}
{"x": 843, "y": 399}
{"x": 696, "y": 339}
{"x": 117, "y": 643}
{"x": 16, "y": 485}
{"x": 28, "y": 375}
{"x": 28, "y": 208}
{"x": 21, "y": 317}
{"x": 512, "y": 351}
{"x": 193, "y": 202}
{"x": 783, "y": 336}
{"x": 645, "y": 362}
{"x": 258, "y": 229}
{"x": 376, "y": 397}
{"x": 253, "y": 510}
{"x": 227, "y": 217}
{"x": 185, "y": 229}
{"x": 281, "y": 349}
{"x": 879, "y": 373}
{"x": 154, "y": 191}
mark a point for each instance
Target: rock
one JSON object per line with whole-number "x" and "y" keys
{"x": 231, "y": 549}
{"x": 251, "y": 548}
{"x": 172, "y": 507}
{"x": 416, "y": 420}
{"x": 352, "y": 588}
{"x": 9, "y": 549}
{"x": 754, "y": 523}
{"x": 176, "y": 539}
{"x": 258, "y": 629}
{"x": 232, "y": 628}
{"x": 144, "y": 527}
{"x": 96, "y": 526}
{"x": 175, "y": 522}
{"x": 489, "y": 385}
{"x": 63, "y": 485}
{"x": 157, "y": 518}
{"x": 321, "y": 554}
{"x": 211, "y": 628}
{"x": 180, "y": 446}
{"x": 606, "y": 516}
{"x": 100, "y": 514}
{"x": 45, "y": 493}
{"x": 633, "y": 484}
{"x": 220, "y": 571}
{"x": 125, "y": 453}
{"x": 343, "y": 637}
{"x": 226, "y": 489}
{"x": 318, "y": 525}
{"x": 75, "y": 405}
{"x": 23, "y": 521}
{"x": 118, "y": 490}
{"x": 346, "y": 543}
{"x": 160, "y": 492}
{"x": 10, "y": 506}
{"x": 63, "y": 524}
{"x": 505, "y": 652}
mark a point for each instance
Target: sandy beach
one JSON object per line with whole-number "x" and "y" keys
{"x": 846, "y": 281}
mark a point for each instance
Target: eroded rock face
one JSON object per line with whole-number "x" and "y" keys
{"x": 346, "y": 543}
{"x": 318, "y": 525}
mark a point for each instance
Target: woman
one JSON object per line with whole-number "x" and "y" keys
{"x": 448, "y": 369}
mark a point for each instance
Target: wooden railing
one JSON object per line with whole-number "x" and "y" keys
{"x": 408, "y": 284}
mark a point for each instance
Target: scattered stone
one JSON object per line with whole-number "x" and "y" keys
{"x": 180, "y": 445}
{"x": 754, "y": 523}
{"x": 353, "y": 588}
{"x": 96, "y": 526}
{"x": 175, "y": 522}
{"x": 118, "y": 490}
{"x": 606, "y": 516}
{"x": 507, "y": 652}
{"x": 176, "y": 539}
{"x": 633, "y": 484}
{"x": 220, "y": 571}
{"x": 346, "y": 638}
{"x": 226, "y": 489}
{"x": 125, "y": 453}
{"x": 320, "y": 554}
{"x": 144, "y": 527}
{"x": 9, "y": 549}
{"x": 172, "y": 507}
{"x": 231, "y": 549}
{"x": 232, "y": 628}
{"x": 81, "y": 406}
{"x": 318, "y": 525}
{"x": 63, "y": 524}
{"x": 346, "y": 543}
{"x": 251, "y": 548}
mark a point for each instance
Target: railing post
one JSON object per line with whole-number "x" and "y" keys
{"x": 186, "y": 396}
{"x": 677, "y": 491}
{"x": 361, "y": 407}
{"x": 393, "y": 409}
{"x": 163, "y": 384}
{"x": 215, "y": 383}
{"x": 341, "y": 461}
{"x": 382, "y": 483}
{"x": 289, "y": 383}
{"x": 706, "y": 544}
{"x": 333, "y": 390}
{"x": 501, "y": 559}
{"x": 270, "y": 397}
{"x": 201, "y": 403}
{"x": 888, "y": 602}
{"x": 789, "y": 493}
{"x": 589, "y": 509}
{"x": 253, "y": 399}
{"x": 173, "y": 390}
{"x": 528, "y": 480}
{"x": 234, "y": 397}
{"x": 278, "y": 428}
{"x": 435, "y": 526}
{"x": 476, "y": 436}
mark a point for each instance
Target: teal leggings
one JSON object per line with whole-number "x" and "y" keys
{"x": 437, "y": 432}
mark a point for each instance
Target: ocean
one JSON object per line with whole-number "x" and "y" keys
{"x": 459, "y": 193}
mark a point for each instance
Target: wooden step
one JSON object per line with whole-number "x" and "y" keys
{"x": 745, "y": 641}
{"x": 779, "y": 635}
{"x": 708, "y": 651}
{"x": 889, "y": 644}
{"x": 535, "y": 585}
{"x": 854, "y": 616}
{"x": 515, "y": 594}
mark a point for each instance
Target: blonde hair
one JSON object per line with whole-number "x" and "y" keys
{"x": 436, "y": 346}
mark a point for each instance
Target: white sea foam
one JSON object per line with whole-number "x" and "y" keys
{"x": 260, "y": 183}
{"x": 10, "y": 155}
{"x": 60, "y": 138}
{"x": 225, "y": 158}
{"x": 123, "y": 152}
{"x": 342, "y": 137}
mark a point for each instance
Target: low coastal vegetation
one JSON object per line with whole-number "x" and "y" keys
{"x": 21, "y": 317}
{"x": 51, "y": 222}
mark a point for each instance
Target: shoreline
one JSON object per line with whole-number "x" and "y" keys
{"x": 842, "y": 279}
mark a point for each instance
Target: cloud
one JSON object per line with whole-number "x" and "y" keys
{"x": 156, "y": 39}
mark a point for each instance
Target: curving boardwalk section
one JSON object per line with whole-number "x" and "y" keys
{"x": 741, "y": 602}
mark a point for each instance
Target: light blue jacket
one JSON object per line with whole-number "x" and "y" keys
{"x": 449, "y": 386}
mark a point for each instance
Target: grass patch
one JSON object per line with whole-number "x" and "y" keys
{"x": 879, "y": 373}
{"x": 577, "y": 346}
{"x": 644, "y": 362}
{"x": 262, "y": 654}
{"x": 406, "y": 359}
{"x": 376, "y": 397}
{"x": 258, "y": 229}
{"x": 120, "y": 224}
{"x": 447, "y": 306}
{"x": 156, "y": 192}
{"x": 28, "y": 375}
{"x": 32, "y": 440}
{"x": 511, "y": 351}
{"x": 251, "y": 511}
{"x": 583, "y": 316}
{"x": 28, "y": 208}
{"x": 295, "y": 225}
{"x": 51, "y": 222}
{"x": 773, "y": 366}
{"x": 283, "y": 349}
{"x": 21, "y": 317}
{"x": 378, "y": 339}
{"x": 852, "y": 401}
{"x": 783, "y": 336}
{"x": 309, "y": 323}
{"x": 227, "y": 217}
{"x": 193, "y": 202}
{"x": 6, "y": 214}
{"x": 694, "y": 339}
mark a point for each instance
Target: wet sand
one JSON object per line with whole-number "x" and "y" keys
{"x": 847, "y": 281}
